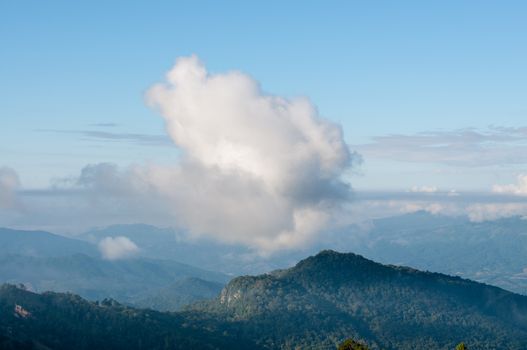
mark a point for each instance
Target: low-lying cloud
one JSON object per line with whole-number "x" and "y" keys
{"x": 520, "y": 188}
{"x": 477, "y": 207}
{"x": 115, "y": 248}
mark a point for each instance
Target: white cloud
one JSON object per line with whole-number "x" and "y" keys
{"x": 9, "y": 183}
{"x": 519, "y": 188}
{"x": 257, "y": 169}
{"x": 115, "y": 248}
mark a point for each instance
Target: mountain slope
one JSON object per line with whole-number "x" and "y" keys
{"x": 331, "y": 296}
{"x": 167, "y": 243}
{"x": 65, "y": 321}
{"x": 47, "y": 262}
{"x": 93, "y": 278}
{"x": 180, "y": 293}
{"x": 41, "y": 244}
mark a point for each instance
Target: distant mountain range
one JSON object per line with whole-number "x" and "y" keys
{"x": 494, "y": 252}
{"x": 42, "y": 244}
{"x": 314, "y": 305}
{"x": 128, "y": 280}
{"x": 46, "y": 262}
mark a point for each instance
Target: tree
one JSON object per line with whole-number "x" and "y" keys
{"x": 350, "y": 344}
{"x": 461, "y": 346}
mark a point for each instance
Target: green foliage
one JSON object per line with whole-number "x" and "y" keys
{"x": 66, "y": 321}
{"x": 461, "y": 346}
{"x": 350, "y": 344}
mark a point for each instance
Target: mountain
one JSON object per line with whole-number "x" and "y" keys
{"x": 44, "y": 261}
{"x": 41, "y": 244}
{"x": 146, "y": 236}
{"x": 493, "y": 252}
{"x": 93, "y": 278}
{"x": 316, "y": 304}
{"x": 332, "y": 296}
{"x": 180, "y": 293}
{"x": 171, "y": 244}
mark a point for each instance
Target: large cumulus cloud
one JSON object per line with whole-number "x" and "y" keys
{"x": 257, "y": 169}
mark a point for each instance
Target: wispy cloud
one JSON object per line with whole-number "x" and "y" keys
{"x": 464, "y": 147}
{"x": 133, "y": 138}
{"x": 104, "y": 125}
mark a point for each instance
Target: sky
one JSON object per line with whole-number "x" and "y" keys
{"x": 429, "y": 97}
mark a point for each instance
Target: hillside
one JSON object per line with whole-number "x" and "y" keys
{"x": 42, "y": 244}
{"x": 180, "y": 293}
{"x": 44, "y": 261}
{"x": 127, "y": 280}
{"x": 65, "y": 321}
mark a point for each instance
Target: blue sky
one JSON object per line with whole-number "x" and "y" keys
{"x": 376, "y": 67}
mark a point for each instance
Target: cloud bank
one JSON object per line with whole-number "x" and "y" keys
{"x": 517, "y": 189}
{"x": 115, "y": 248}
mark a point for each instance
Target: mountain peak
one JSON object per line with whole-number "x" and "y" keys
{"x": 374, "y": 301}
{"x": 329, "y": 263}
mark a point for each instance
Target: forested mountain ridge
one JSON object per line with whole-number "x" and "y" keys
{"x": 65, "y": 321}
{"x": 331, "y": 295}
